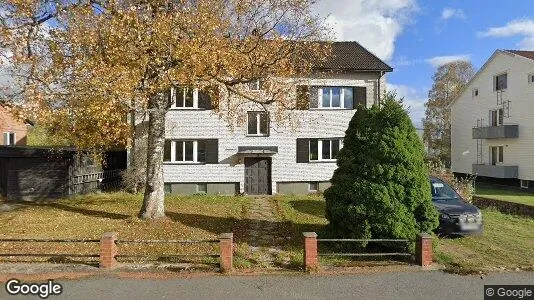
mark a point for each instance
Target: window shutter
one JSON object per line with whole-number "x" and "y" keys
{"x": 204, "y": 100}
{"x": 314, "y": 97}
{"x": 6, "y": 138}
{"x": 303, "y": 100}
{"x": 170, "y": 96}
{"x": 212, "y": 151}
{"x": 360, "y": 96}
{"x": 167, "y": 151}
{"x": 303, "y": 150}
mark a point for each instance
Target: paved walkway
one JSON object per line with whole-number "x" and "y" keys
{"x": 262, "y": 235}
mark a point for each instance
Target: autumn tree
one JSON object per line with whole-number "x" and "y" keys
{"x": 449, "y": 81}
{"x": 83, "y": 66}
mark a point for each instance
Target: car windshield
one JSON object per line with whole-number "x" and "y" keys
{"x": 442, "y": 191}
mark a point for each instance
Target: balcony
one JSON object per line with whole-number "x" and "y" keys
{"x": 496, "y": 132}
{"x": 496, "y": 171}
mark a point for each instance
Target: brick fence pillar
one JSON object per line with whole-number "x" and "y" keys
{"x": 424, "y": 249}
{"x": 108, "y": 250}
{"x": 310, "y": 251}
{"x": 226, "y": 241}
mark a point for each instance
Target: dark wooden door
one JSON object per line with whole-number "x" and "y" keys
{"x": 258, "y": 176}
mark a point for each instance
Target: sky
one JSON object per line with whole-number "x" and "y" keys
{"x": 417, "y": 36}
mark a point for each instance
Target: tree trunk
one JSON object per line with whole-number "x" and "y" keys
{"x": 153, "y": 201}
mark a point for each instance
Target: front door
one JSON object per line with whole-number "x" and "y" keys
{"x": 258, "y": 175}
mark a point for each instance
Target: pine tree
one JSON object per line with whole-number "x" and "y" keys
{"x": 381, "y": 187}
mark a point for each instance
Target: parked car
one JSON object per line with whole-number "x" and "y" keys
{"x": 457, "y": 217}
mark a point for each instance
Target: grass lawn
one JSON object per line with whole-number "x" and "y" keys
{"x": 89, "y": 216}
{"x": 507, "y": 241}
{"x": 501, "y": 193}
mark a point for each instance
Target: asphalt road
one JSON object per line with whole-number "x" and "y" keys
{"x": 402, "y": 285}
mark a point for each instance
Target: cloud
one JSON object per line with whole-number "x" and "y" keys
{"x": 438, "y": 61}
{"x": 376, "y": 24}
{"x": 519, "y": 27}
{"x": 414, "y": 99}
{"x": 448, "y": 13}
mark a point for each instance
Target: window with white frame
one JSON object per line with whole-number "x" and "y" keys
{"x": 497, "y": 155}
{"x": 313, "y": 186}
{"x": 324, "y": 149}
{"x": 496, "y": 117}
{"x": 475, "y": 92}
{"x": 336, "y": 97}
{"x": 258, "y": 123}
{"x": 524, "y": 184}
{"x": 187, "y": 151}
{"x": 9, "y": 138}
{"x": 255, "y": 85}
{"x": 184, "y": 98}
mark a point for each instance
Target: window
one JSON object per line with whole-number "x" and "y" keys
{"x": 185, "y": 151}
{"x": 524, "y": 184}
{"x": 324, "y": 149}
{"x": 184, "y": 97}
{"x": 531, "y": 78}
{"x": 202, "y": 188}
{"x": 191, "y": 151}
{"x": 496, "y": 155}
{"x": 256, "y": 85}
{"x": 258, "y": 123}
{"x": 496, "y": 117}
{"x": 336, "y": 97}
{"x": 313, "y": 186}
{"x": 475, "y": 92}
{"x": 501, "y": 82}
{"x": 9, "y": 138}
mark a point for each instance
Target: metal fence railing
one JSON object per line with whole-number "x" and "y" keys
{"x": 33, "y": 254}
{"x": 366, "y": 241}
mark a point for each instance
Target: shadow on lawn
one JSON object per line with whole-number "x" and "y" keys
{"x": 310, "y": 207}
{"x": 280, "y": 232}
{"x": 84, "y": 211}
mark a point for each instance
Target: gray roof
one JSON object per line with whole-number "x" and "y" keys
{"x": 352, "y": 56}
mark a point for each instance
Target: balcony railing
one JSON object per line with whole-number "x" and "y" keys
{"x": 496, "y": 132}
{"x": 496, "y": 171}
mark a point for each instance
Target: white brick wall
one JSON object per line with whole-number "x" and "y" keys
{"x": 183, "y": 124}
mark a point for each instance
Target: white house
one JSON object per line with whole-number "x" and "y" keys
{"x": 492, "y": 121}
{"x": 204, "y": 154}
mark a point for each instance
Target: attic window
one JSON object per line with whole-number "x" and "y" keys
{"x": 475, "y": 92}
{"x": 531, "y": 78}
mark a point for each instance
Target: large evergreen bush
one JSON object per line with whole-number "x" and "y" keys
{"x": 381, "y": 187}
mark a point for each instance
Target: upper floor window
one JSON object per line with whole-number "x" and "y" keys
{"x": 336, "y": 97}
{"x": 324, "y": 149}
{"x": 500, "y": 82}
{"x": 258, "y": 123}
{"x": 531, "y": 78}
{"x": 184, "y": 97}
{"x": 475, "y": 92}
{"x": 9, "y": 138}
{"x": 255, "y": 85}
{"x": 496, "y": 117}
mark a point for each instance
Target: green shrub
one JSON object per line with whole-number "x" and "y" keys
{"x": 381, "y": 187}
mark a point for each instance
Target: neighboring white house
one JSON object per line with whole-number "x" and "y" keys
{"x": 204, "y": 154}
{"x": 492, "y": 121}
